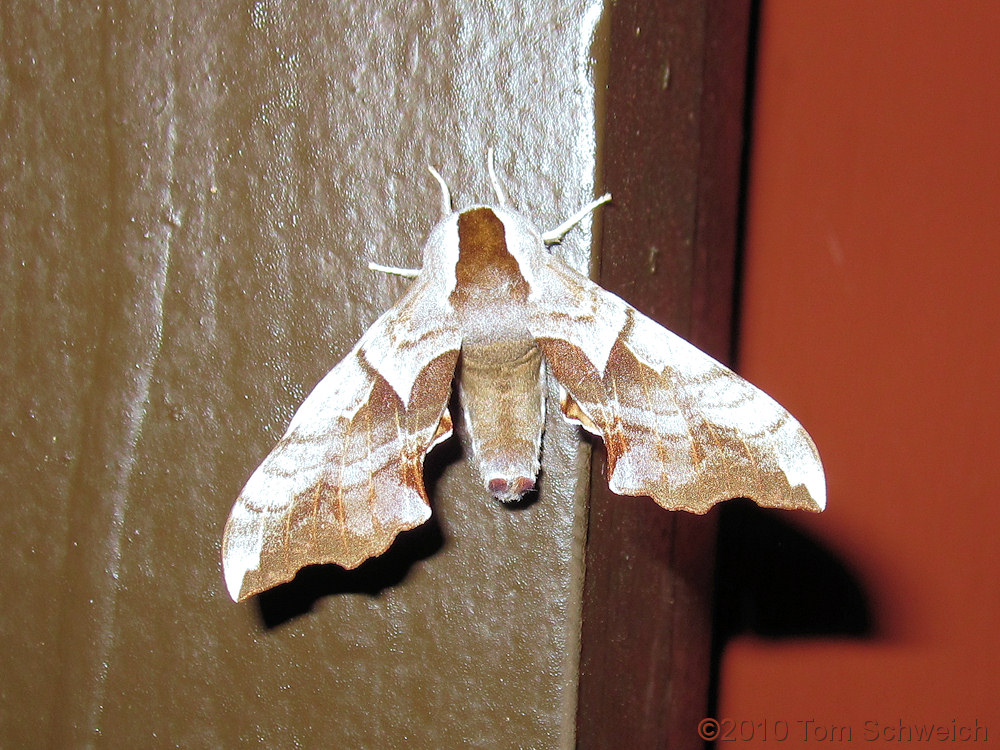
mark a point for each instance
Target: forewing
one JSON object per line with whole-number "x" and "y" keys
{"x": 678, "y": 426}
{"x": 347, "y": 476}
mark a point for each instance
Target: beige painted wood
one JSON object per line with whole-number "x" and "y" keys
{"x": 191, "y": 194}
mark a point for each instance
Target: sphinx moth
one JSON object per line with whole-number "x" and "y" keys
{"x": 492, "y": 302}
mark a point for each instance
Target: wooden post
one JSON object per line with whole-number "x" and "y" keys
{"x": 191, "y": 194}
{"x": 673, "y": 152}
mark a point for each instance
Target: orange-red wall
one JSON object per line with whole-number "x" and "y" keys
{"x": 872, "y": 311}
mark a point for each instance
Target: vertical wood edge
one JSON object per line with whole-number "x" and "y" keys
{"x": 647, "y": 590}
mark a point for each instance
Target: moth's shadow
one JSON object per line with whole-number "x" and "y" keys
{"x": 525, "y": 501}
{"x": 775, "y": 581}
{"x": 290, "y": 600}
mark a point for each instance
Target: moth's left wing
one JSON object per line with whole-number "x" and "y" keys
{"x": 347, "y": 476}
{"x": 678, "y": 426}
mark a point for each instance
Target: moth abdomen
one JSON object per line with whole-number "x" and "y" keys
{"x": 504, "y": 404}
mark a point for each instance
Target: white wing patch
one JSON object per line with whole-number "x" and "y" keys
{"x": 585, "y": 317}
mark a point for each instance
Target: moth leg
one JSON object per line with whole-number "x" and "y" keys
{"x": 446, "y": 207}
{"x": 409, "y": 273}
{"x": 554, "y": 236}
{"x": 494, "y": 181}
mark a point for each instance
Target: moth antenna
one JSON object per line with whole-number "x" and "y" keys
{"x": 554, "y": 236}
{"x": 446, "y": 207}
{"x": 409, "y": 273}
{"x": 497, "y": 189}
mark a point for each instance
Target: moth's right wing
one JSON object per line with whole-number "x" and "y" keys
{"x": 347, "y": 476}
{"x": 677, "y": 425}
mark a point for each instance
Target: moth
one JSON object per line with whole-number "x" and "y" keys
{"x": 494, "y": 304}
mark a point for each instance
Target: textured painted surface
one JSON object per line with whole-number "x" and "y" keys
{"x": 190, "y": 196}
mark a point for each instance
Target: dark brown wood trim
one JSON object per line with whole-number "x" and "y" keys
{"x": 673, "y": 151}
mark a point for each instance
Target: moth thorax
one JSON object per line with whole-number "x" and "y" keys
{"x": 497, "y": 326}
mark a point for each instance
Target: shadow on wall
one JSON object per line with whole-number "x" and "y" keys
{"x": 314, "y": 582}
{"x": 775, "y": 582}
